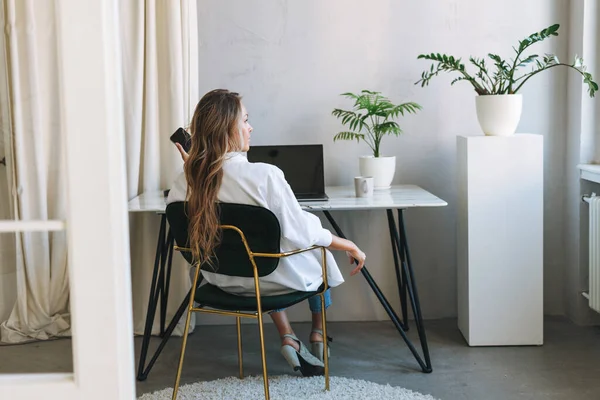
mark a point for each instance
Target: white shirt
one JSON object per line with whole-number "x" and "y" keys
{"x": 264, "y": 185}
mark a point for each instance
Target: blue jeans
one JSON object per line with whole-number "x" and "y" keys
{"x": 314, "y": 303}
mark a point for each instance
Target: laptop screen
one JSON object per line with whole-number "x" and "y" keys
{"x": 302, "y": 165}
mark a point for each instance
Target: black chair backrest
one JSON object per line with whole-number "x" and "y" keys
{"x": 259, "y": 225}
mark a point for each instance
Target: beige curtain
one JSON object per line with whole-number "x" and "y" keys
{"x": 8, "y": 272}
{"x": 160, "y": 83}
{"x": 160, "y": 68}
{"x": 34, "y": 175}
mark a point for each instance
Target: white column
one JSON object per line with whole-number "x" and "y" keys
{"x": 500, "y": 239}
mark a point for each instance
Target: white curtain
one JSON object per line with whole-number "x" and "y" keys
{"x": 35, "y": 174}
{"x": 160, "y": 67}
{"x": 160, "y": 82}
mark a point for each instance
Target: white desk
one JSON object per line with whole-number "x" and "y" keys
{"x": 341, "y": 198}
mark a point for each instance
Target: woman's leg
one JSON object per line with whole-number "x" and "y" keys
{"x": 282, "y": 323}
{"x": 315, "y": 307}
{"x": 300, "y": 358}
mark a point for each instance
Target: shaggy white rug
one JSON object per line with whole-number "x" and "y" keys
{"x": 287, "y": 387}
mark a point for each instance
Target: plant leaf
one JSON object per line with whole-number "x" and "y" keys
{"x": 349, "y": 136}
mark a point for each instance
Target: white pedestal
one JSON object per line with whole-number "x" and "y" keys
{"x": 500, "y": 239}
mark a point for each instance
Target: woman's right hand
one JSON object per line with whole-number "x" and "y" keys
{"x": 184, "y": 155}
{"x": 358, "y": 255}
{"x": 352, "y": 251}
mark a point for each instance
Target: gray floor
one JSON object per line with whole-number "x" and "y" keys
{"x": 567, "y": 366}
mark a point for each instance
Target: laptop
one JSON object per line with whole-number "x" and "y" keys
{"x": 302, "y": 166}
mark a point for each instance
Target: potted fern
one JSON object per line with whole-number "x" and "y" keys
{"x": 499, "y": 102}
{"x": 371, "y": 118}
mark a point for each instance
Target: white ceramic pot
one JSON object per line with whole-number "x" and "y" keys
{"x": 382, "y": 169}
{"x": 499, "y": 114}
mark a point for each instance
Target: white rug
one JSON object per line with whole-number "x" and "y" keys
{"x": 287, "y": 387}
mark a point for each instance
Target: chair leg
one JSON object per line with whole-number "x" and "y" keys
{"x": 183, "y": 344}
{"x": 325, "y": 345}
{"x": 264, "y": 358}
{"x": 240, "y": 358}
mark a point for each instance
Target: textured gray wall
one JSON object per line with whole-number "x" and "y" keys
{"x": 290, "y": 60}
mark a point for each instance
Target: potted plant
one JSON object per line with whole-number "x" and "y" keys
{"x": 371, "y": 118}
{"x": 498, "y": 103}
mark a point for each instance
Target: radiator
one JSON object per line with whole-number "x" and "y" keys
{"x": 594, "y": 252}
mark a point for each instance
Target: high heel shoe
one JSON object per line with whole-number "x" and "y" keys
{"x": 302, "y": 359}
{"x": 317, "y": 347}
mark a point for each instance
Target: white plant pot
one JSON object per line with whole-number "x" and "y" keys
{"x": 499, "y": 114}
{"x": 382, "y": 169}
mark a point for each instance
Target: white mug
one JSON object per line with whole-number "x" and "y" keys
{"x": 363, "y": 186}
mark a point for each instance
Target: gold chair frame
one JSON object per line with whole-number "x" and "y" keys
{"x": 257, "y": 315}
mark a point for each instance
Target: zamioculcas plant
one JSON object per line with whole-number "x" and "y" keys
{"x": 504, "y": 79}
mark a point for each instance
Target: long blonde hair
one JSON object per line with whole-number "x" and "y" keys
{"x": 215, "y": 130}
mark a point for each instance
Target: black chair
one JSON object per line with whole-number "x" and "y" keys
{"x": 249, "y": 248}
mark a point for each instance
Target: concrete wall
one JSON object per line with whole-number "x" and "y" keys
{"x": 291, "y": 60}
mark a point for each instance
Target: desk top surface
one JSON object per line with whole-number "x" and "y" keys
{"x": 340, "y": 198}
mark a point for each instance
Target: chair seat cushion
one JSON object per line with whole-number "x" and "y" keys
{"x": 211, "y": 296}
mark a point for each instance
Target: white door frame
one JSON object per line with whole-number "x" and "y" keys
{"x": 97, "y": 223}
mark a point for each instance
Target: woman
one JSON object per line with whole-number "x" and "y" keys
{"x": 217, "y": 170}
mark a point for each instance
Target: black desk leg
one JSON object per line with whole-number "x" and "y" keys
{"x": 159, "y": 293}
{"x": 143, "y": 373}
{"x": 400, "y": 275}
{"x": 165, "y": 280}
{"x": 152, "y": 301}
{"x": 410, "y": 284}
{"x": 408, "y": 281}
